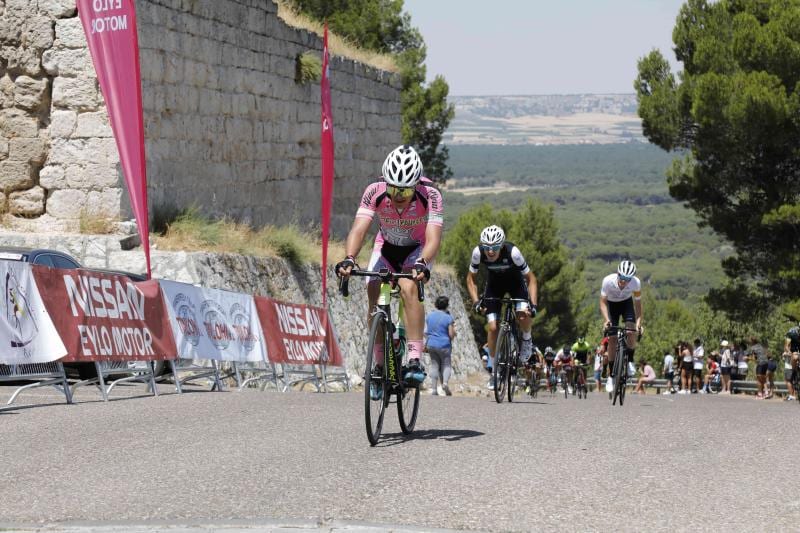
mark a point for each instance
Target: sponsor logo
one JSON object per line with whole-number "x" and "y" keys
{"x": 240, "y": 322}
{"x": 18, "y": 314}
{"x": 186, "y": 318}
{"x": 215, "y": 322}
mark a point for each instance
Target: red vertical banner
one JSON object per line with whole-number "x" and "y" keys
{"x": 110, "y": 28}
{"x": 327, "y": 164}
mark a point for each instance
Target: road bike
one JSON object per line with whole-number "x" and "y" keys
{"x": 579, "y": 381}
{"x": 620, "y": 368}
{"x": 383, "y": 375}
{"x": 506, "y": 362}
{"x": 552, "y": 380}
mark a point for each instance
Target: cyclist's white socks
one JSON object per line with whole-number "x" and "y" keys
{"x": 414, "y": 349}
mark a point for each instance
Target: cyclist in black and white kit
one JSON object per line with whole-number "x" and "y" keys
{"x": 621, "y": 297}
{"x": 507, "y": 272}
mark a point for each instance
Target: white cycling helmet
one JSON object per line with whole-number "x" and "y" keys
{"x": 626, "y": 269}
{"x": 402, "y": 167}
{"x": 492, "y": 235}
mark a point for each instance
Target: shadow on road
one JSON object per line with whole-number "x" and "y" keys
{"x": 390, "y": 439}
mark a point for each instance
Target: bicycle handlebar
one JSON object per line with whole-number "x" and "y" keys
{"x": 385, "y": 275}
{"x": 607, "y": 331}
{"x": 505, "y": 300}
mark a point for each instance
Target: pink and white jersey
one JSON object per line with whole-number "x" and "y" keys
{"x": 405, "y": 228}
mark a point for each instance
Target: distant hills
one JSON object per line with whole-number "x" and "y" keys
{"x": 545, "y": 120}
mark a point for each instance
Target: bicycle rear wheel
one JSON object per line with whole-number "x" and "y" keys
{"x": 408, "y": 408}
{"x": 500, "y": 370}
{"x": 376, "y": 390}
{"x": 512, "y": 367}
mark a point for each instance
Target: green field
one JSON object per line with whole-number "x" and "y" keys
{"x": 610, "y": 201}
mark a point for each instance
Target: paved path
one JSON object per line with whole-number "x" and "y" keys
{"x": 267, "y": 461}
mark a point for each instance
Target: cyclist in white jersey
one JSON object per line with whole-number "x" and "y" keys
{"x": 621, "y": 297}
{"x": 410, "y": 224}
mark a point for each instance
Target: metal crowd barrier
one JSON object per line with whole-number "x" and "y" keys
{"x": 41, "y": 374}
{"x": 138, "y": 371}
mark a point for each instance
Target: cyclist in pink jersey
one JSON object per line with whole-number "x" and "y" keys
{"x": 410, "y": 220}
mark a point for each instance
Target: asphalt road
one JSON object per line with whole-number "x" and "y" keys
{"x": 265, "y": 460}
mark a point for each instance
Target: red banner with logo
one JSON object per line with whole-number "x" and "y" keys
{"x": 327, "y": 163}
{"x": 106, "y": 317}
{"x": 110, "y": 28}
{"x": 297, "y": 334}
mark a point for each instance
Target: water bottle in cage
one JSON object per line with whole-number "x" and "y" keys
{"x": 399, "y": 338}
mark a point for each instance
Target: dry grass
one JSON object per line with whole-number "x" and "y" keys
{"x": 191, "y": 232}
{"x": 96, "y": 224}
{"x": 338, "y": 45}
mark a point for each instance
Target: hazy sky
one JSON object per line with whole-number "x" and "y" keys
{"x": 542, "y": 46}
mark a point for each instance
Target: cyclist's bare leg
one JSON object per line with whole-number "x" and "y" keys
{"x": 525, "y": 321}
{"x": 415, "y": 317}
{"x": 491, "y": 339}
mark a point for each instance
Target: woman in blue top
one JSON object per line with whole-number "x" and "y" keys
{"x": 440, "y": 332}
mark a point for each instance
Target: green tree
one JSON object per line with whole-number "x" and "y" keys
{"x": 534, "y": 230}
{"x": 735, "y": 118}
{"x": 382, "y": 26}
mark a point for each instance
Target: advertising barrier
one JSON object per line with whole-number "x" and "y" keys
{"x": 26, "y": 332}
{"x": 106, "y": 317}
{"x": 299, "y": 334}
{"x": 213, "y": 323}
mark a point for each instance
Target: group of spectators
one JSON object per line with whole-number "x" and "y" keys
{"x": 698, "y": 372}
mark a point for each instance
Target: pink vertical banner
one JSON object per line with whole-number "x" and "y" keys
{"x": 327, "y": 163}
{"x": 110, "y": 28}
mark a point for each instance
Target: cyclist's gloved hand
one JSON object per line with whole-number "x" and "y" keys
{"x": 421, "y": 267}
{"x": 344, "y": 267}
{"x": 478, "y": 307}
{"x": 533, "y": 308}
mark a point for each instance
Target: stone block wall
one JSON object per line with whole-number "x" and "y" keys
{"x": 227, "y": 128}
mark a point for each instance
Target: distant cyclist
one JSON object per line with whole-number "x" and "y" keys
{"x": 410, "y": 220}
{"x": 621, "y": 297}
{"x": 564, "y": 362}
{"x": 549, "y": 360}
{"x": 580, "y": 353}
{"x": 507, "y": 272}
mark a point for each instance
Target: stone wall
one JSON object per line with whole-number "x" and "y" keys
{"x": 227, "y": 128}
{"x": 269, "y": 277}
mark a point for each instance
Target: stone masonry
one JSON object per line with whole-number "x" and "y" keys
{"x": 227, "y": 128}
{"x": 268, "y": 277}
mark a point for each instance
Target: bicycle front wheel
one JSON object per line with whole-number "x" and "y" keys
{"x": 620, "y": 380}
{"x": 376, "y": 390}
{"x": 408, "y": 408}
{"x": 500, "y": 370}
{"x": 512, "y": 367}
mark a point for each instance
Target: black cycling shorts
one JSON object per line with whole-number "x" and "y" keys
{"x": 498, "y": 290}
{"x": 622, "y": 309}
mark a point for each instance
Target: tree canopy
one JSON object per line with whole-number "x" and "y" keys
{"x": 382, "y": 26}
{"x": 734, "y": 118}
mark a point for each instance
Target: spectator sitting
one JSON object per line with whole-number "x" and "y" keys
{"x": 712, "y": 371}
{"x": 648, "y": 376}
